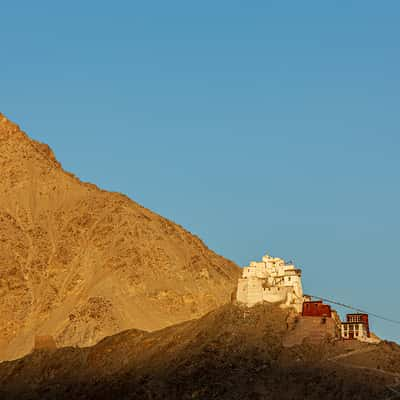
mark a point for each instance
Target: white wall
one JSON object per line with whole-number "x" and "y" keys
{"x": 284, "y": 283}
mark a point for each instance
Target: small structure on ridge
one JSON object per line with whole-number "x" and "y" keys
{"x": 357, "y": 327}
{"x": 46, "y": 342}
{"x": 272, "y": 280}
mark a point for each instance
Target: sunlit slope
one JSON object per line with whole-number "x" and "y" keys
{"x": 80, "y": 263}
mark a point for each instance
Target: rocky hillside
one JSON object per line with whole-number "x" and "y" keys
{"x": 79, "y": 263}
{"x": 232, "y": 353}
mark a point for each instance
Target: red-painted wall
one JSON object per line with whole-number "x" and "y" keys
{"x": 316, "y": 309}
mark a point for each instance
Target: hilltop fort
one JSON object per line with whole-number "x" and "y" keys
{"x": 275, "y": 281}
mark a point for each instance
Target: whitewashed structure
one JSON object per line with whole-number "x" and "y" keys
{"x": 357, "y": 330}
{"x": 272, "y": 280}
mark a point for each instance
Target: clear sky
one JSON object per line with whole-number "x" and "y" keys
{"x": 258, "y": 125}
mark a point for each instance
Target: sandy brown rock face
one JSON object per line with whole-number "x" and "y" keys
{"x": 79, "y": 263}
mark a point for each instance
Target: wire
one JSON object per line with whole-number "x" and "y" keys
{"x": 355, "y": 309}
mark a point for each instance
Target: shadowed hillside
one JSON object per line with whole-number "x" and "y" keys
{"x": 231, "y": 353}
{"x": 79, "y": 263}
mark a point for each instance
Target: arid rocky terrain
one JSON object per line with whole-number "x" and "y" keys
{"x": 124, "y": 304}
{"x": 231, "y": 353}
{"x": 79, "y": 263}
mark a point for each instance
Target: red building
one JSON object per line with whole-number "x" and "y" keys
{"x": 356, "y": 327}
{"x": 316, "y": 309}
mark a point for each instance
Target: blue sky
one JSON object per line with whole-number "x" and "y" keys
{"x": 259, "y": 126}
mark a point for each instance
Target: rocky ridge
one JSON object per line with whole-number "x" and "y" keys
{"x": 79, "y": 263}
{"x": 232, "y": 353}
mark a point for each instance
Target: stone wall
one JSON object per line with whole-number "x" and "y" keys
{"x": 44, "y": 343}
{"x": 311, "y": 329}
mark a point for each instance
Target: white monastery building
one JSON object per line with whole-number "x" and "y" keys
{"x": 271, "y": 280}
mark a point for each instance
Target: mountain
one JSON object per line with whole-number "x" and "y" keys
{"x": 79, "y": 263}
{"x": 232, "y": 353}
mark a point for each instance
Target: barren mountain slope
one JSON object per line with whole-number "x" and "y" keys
{"x": 231, "y": 353}
{"x": 79, "y": 263}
